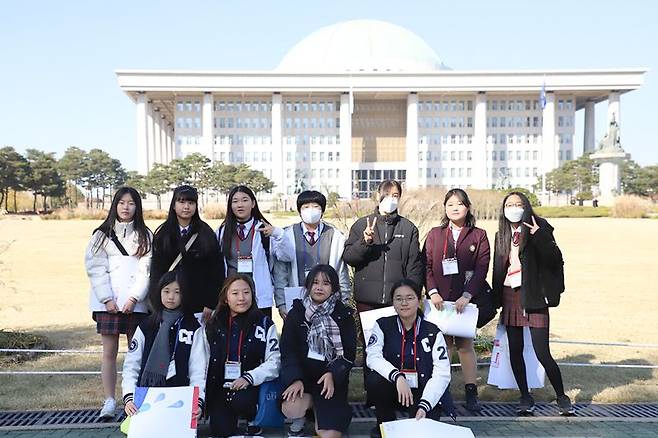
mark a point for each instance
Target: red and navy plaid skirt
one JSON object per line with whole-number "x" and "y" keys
{"x": 512, "y": 313}
{"x": 117, "y": 323}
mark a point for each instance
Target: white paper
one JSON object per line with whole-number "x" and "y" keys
{"x": 292, "y": 293}
{"x": 500, "y": 369}
{"x": 166, "y": 412}
{"x": 369, "y": 318}
{"x": 423, "y": 428}
{"x": 462, "y": 325}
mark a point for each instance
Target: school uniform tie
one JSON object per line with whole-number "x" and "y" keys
{"x": 311, "y": 237}
{"x": 241, "y": 229}
{"x": 516, "y": 237}
{"x": 183, "y": 232}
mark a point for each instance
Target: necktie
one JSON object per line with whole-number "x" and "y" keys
{"x": 311, "y": 237}
{"x": 241, "y": 228}
{"x": 516, "y": 236}
{"x": 183, "y": 232}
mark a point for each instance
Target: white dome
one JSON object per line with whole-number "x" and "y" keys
{"x": 361, "y": 45}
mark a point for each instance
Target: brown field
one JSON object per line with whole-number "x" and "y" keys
{"x": 611, "y": 295}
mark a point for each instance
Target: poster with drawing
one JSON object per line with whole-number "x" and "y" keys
{"x": 165, "y": 412}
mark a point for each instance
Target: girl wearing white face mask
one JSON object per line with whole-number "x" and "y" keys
{"x": 528, "y": 278}
{"x": 314, "y": 242}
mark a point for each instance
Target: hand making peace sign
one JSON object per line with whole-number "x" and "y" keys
{"x": 534, "y": 227}
{"x": 369, "y": 232}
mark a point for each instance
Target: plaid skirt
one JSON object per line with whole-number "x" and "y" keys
{"x": 512, "y": 313}
{"x": 117, "y": 323}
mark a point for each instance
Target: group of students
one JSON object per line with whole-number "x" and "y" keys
{"x": 196, "y": 305}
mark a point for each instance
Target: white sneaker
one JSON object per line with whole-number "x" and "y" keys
{"x": 109, "y": 406}
{"x": 297, "y": 427}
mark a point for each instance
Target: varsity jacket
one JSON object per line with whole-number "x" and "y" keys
{"x": 260, "y": 357}
{"x": 383, "y": 355}
{"x": 115, "y": 276}
{"x": 186, "y": 336}
{"x": 285, "y": 265}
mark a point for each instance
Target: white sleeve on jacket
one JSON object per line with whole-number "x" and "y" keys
{"x": 375, "y": 357}
{"x": 198, "y": 361}
{"x": 282, "y": 244}
{"x": 280, "y": 273}
{"x": 140, "y": 289}
{"x": 345, "y": 283}
{"x": 440, "y": 379}
{"x": 98, "y": 269}
{"x": 132, "y": 365}
{"x": 269, "y": 369}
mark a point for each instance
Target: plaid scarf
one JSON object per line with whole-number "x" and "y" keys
{"x": 323, "y": 332}
{"x": 157, "y": 363}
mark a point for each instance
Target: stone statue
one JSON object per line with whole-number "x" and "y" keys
{"x": 611, "y": 140}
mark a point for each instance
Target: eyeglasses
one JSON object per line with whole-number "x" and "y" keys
{"x": 409, "y": 299}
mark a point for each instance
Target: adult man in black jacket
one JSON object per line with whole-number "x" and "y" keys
{"x": 383, "y": 248}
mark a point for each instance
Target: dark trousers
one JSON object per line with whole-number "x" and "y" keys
{"x": 384, "y": 395}
{"x": 226, "y": 407}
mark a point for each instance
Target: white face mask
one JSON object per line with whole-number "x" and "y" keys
{"x": 388, "y": 205}
{"x": 311, "y": 215}
{"x": 514, "y": 214}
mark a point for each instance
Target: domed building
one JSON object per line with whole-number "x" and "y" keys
{"x": 361, "y": 101}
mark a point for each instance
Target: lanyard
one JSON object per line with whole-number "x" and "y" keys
{"x": 317, "y": 242}
{"x": 445, "y": 244}
{"x": 228, "y": 341}
{"x": 177, "y": 325}
{"x": 237, "y": 238}
{"x": 402, "y": 349}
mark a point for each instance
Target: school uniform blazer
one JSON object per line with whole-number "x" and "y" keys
{"x": 285, "y": 265}
{"x": 262, "y": 275}
{"x": 115, "y": 276}
{"x": 260, "y": 357}
{"x": 472, "y": 256}
{"x": 542, "y": 270}
{"x": 191, "y": 358}
{"x": 432, "y": 363}
{"x": 294, "y": 344}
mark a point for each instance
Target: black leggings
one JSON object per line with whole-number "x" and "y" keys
{"x": 543, "y": 352}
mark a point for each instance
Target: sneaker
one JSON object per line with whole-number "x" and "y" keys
{"x": 564, "y": 406}
{"x": 526, "y": 405}
{"x": 376, "y": 432}
{"x": 109, "y": 406}
{"x": 472, "y": 403}
{"x": 297, "y": 427}
{"x": 252, "y": 430}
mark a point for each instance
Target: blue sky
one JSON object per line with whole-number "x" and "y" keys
{"x": 58, "y": 87}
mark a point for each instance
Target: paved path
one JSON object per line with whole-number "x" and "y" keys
{"x": 499, "y": 428}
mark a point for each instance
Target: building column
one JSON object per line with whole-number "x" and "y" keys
{"x": 589, "y": 140}
{"x": 549, "y": 148}
{"x": 479, "y": 145}
{"x": 207, "y": 142}
{"x": 157, "y": 119}
{"x": 277, "y": 146}
{"x": 614, "y": 108}
{"x": 150, "y": 130}
{"x": 412, "y": 141}
{"x": 345, "y": 181}
{"x": 168, "y": 145}
{"x": 142, "y": 136}
{"x": 163, "y": 139}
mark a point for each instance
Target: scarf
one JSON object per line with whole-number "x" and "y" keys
{"x": 157, "y": 364}
{"x": 323, "y": 332}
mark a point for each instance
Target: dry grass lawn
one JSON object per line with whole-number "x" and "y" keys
{"x": 611, "y": 294}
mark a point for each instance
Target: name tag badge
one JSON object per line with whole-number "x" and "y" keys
{"x": 514, "y": 279}
{"x": 412, "y": 378}
{"x": 171, "y": 371}
{"x": 450, "y": 266}
{"x": 245, "y": 265}
{"x": 232, "y": 371}
{"x": 315, "y": 355}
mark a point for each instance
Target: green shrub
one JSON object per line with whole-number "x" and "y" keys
{"x": 573, "y": 211}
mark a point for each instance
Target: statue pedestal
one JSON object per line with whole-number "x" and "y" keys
{"x": 609, "y": 178}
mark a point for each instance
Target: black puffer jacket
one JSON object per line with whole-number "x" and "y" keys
{"x": 542, "y": 270}
{"x": 393, "y": 255}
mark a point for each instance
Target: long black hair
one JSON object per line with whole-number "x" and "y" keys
{"x": 230, "y": 223}
{"x": 504, "y": 235}
{"x": 463, "y": 198}
{"x": 166, "y": 236}
{"x": 222, "y": 311}
{"x": 155, "y": 299}
{"x": 328, "y": 272}
{"x": 107, "y": 227}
